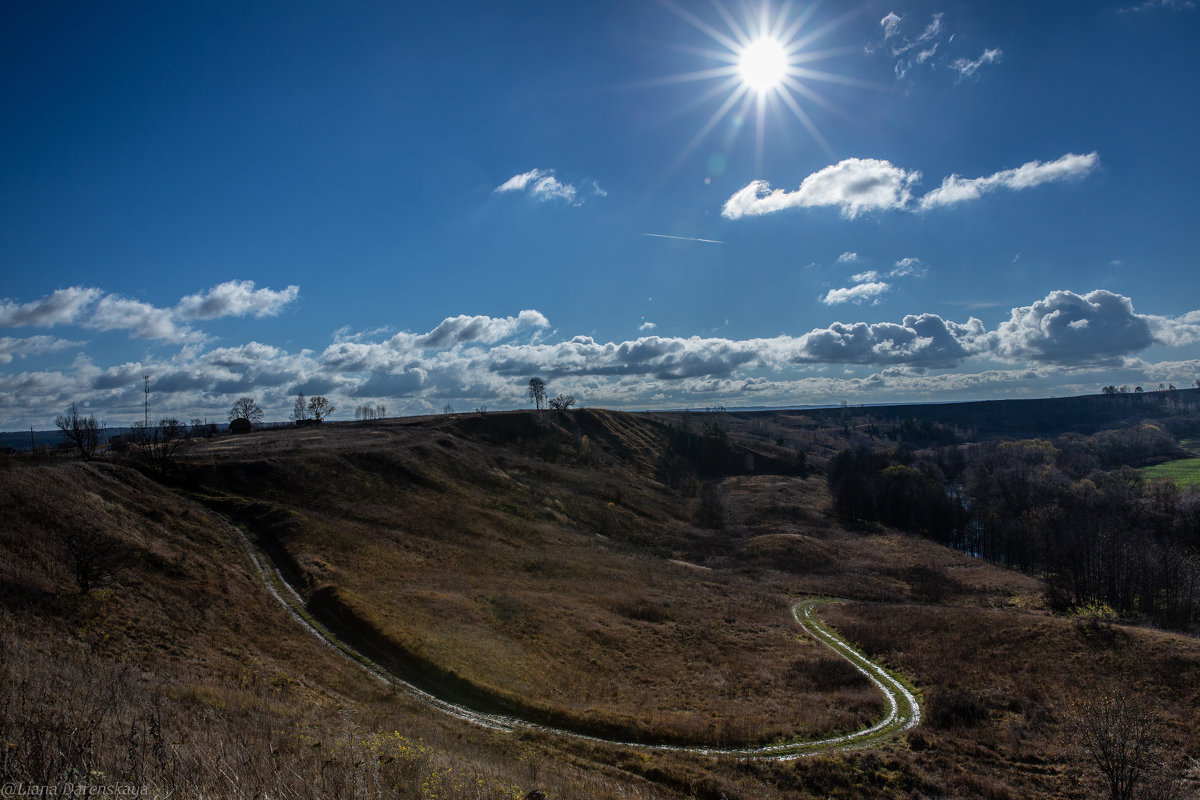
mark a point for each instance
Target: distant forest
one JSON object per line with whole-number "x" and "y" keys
{"x": 1072, "y": 507}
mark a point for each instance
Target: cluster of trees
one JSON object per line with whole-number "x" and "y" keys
{"x": 369, "y": 412}
{"x": 708, "y": 450}
{"x": 1099, "y": 535}
{"x": 898, "y": 489}
{"x": 537, "y": 396}
{"x": 158, "y": 443}
{"x": 154, "y": 444}
{"x": 311, "y": 411}
{"x": 1124, "y": 388}
{"x": 1072, "y": 509}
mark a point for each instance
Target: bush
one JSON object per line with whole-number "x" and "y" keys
{"x": 955, "y": 708}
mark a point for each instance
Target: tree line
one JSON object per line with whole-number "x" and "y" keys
{"x": 1073, "y": 509}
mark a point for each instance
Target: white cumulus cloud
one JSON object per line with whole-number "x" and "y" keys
{"x": 61, "y": 307}
{"x": 855, "y": 294}
{"x": 859, "y": 185}
{"x": 485, "y": 330}
{"x": 94, "y": 309}
{"x": 1069, "y": 328}
{"x": 236, "y": 299}
{"x": 854, "y": 186}
{"x": 923, "y": 340}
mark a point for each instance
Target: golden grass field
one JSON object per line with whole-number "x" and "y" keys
{"x": 574, "y": 570}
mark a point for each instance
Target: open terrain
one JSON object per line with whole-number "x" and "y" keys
{"x": 628, "y": 578}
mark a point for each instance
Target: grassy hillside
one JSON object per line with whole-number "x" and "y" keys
{"x": 624, "y": 575}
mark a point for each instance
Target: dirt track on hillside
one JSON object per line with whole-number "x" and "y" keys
{"x": 903, "y": 709}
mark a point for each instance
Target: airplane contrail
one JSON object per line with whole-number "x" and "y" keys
{"x": 683, "y": 238}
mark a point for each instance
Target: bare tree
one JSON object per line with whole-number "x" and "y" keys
{"x": 537, "y": 392}
{"x": 246, "y": 408}
{"x": 158, "y": 445}
{"x": 92, "y": 557}
{"x": 562, "y": 402}
{"x": 300, "y": 410}
{"x": 320, "y": 408}
{"x": 1121, "y": 736}
{"x": 83, "y": 432}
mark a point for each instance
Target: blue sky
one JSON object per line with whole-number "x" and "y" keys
{"x": 421, "y": 207}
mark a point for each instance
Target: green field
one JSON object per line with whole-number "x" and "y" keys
{"x": 1185, "y": 471}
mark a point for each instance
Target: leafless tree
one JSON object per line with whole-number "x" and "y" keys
{"x": 1120, "y": 734}
{"x": 319, "y": 408}
{"x": 246, "y": 408}
{"x": 83, "y": 432}
{"x": 92, "y": 557}
{"x": 300, "y": 410}
{"x": 537, "y": 392}
{"x": 562, "y": 403}
{"x": 158, "y": 445}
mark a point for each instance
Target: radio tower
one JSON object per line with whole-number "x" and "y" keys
{"x": 147, "y": 377}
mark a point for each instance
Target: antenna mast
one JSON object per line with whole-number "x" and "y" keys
{"x": 147, "y": 377}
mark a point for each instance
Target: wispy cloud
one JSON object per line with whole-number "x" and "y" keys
{"x": 855, "y": 294}
{"x": 32, "y": 346}
{"x": 541, "y": 184}
{"x": 890, "y": 23}
{"x": 921, "y": 50}
{"x": 683, "y": 238}
{"x": 956, "y": 190}
{"x": 966, "y": 68}
{"x": 847, "y": 257}
{"x": 856, "y": 186}
{"x": 908, "y": 267}
{"x": 1159, "y": 5}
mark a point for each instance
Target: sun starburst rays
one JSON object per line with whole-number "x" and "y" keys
{"x": 765, "y": 65}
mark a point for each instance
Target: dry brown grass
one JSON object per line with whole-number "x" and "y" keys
{"x": 184, "y": 675}
{"x": 559, "y": 568}
{"x": 542, "y": 584}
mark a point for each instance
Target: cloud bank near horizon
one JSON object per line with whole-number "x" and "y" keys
{"x": 484, "y": 359}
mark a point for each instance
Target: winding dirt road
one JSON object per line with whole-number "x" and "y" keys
{"x": 903, "y": 710}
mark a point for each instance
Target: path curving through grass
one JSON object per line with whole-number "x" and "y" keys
{"x": 903, "y": 709}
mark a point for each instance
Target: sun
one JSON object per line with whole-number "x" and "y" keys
{"x": 763, "y": 64}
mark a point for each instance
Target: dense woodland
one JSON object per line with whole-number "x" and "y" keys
{"x": 1073, "y": 509}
